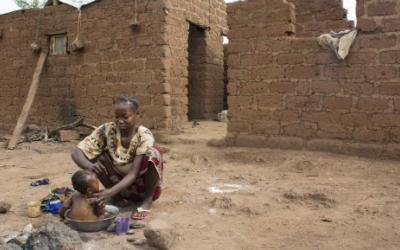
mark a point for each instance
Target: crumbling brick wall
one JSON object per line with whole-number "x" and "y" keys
{"x": 210, "y": 15}
{"x": 288, "y": 92}
{"x": 150, "y": 62}
{"x": 314, "y": 17}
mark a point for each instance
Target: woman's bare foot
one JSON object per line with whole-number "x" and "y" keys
{"x": 147, "y": 203}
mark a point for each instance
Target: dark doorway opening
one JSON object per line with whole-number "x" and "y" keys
{"x": 225, "y": 42}
{"x": 197, "y": 72}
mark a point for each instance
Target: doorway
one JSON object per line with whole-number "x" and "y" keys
{"x": 197, "y": 72}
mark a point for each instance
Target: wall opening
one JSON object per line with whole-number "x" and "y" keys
{"x": 350, "y": 6}
{"x": 58, "y": 44}
{"x": 197, "y": 72}
{"x": 225, "y": 42}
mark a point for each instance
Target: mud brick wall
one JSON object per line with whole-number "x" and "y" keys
{"x": 150, "y": 62}
{"x": 288, "y": 92}
{"x": 115, "y": 61}
{"x": 314, "y": 17}
{"x": 211, "y": 15}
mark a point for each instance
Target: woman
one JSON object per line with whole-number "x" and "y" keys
{"x": 123, "y": 156}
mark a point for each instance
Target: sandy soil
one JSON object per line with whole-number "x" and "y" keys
{"x": 283, "y": 199}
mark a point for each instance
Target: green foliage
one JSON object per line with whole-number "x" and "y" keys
{"x": 29, "y": 4}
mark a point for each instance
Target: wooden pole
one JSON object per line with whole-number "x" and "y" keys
{"x": 28, "y": 102}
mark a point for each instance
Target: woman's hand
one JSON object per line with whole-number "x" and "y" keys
{"x": 104, "y": 197}
{"x": 98, "y": 169}
{"x": 80, "y": 159}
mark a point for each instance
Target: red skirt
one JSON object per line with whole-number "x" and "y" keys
{"x": 136, "y": 192}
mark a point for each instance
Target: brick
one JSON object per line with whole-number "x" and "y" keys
{"x": 238, "y": 75}
{"x": 238, "y": 126}
{"x": 304, "y": 45}
{"x": 269, "y": 101}
{"x": 394, "y": 135}
{"x": 300, "y": 130}
{"x": 353, "y": 119}
{"x": 321, "y": 58}
{"x": 358, "y": 88}
{"x": 370, "y": 104}
{"x": 364, "y": 58}
{"x": 285, "y": 115}
{"x": 390, "y": 89}
{"x": 290, "y": 58}
{"x": 254, "y": 87}
{"x": 363, "y": 134}
{"x": 337, "y": 103}
{"x": 391, "y": 24}
{"x": 360, "y": 8}
{"x": 69, "y": 135}
{"x": 321, "y": 117}
{"x": 367, "y": 25}
{"x": 302, "y": 72}
{"x": 265, "y": 128}
{"x": 390, "y": 57}
{"x": 160, "y": 88}
{"x": 385, "y": 120}
{"x": 326, "y": 87}
{"x": 303, "y": 102}
{"x": 377, "y": 41}
{"x": 396, "y": 102}
{"x": 280, "y": 45}
{"x": 332, "y": 131}
{"x": 262, "y": 115}
{"x": 339, "y": 25}
{"x": 282, "y": 87}
{"x": 267, "y": 73}
{"x": 254, "y": 59}
{"x": 382, "y": 9}
{"x": 381, "y": 72}
{"x": 344, "y": 72}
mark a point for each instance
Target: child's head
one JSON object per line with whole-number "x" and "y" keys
{"x": 126, "y": 110}
{"x": 85, "y": 182}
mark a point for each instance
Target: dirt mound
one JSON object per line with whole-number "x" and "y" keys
{"x": 304, "y": 166}
{"x": 314, "y": 199}
{"x": 222, "y": 202}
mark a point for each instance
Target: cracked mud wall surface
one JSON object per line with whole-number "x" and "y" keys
{"x": 150, "y": 62}
{"x": 286, "y": 91}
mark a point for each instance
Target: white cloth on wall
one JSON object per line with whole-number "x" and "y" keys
{"x": 77, "y": 3}
{"x": 340, "y": 43}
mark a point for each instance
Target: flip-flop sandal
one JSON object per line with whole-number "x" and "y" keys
{"x": 141, "y": 214}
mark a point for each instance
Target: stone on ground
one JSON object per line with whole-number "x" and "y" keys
{"x": 9, "y": 246}
{"x": 54, "y": 236}
{"x": 160, "y": 235}
{"x": 4, "y": 207}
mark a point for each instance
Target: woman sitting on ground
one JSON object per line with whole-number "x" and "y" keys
{"x": 123, "y": 156}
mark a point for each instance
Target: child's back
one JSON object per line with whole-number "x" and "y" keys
{"x": 81, "y": 205}
{"x": 82, "y": 208}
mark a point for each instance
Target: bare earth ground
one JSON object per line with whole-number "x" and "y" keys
{"x": 287, "y": 200}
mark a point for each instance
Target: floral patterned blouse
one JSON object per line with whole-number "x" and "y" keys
{"x": 107, "y": 137}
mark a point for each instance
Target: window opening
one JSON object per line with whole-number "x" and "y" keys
{"x": 58, "y": 44}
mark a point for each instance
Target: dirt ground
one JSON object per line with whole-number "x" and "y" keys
{"x": 235, "y": 198}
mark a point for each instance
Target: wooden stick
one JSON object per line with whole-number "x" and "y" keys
{"x": 28, "y": 102}
{"x": 78, "y": 123}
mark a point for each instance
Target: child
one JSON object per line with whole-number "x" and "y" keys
{"x": 82, "y": 204}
